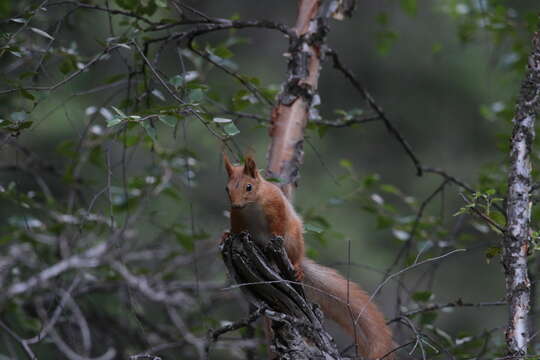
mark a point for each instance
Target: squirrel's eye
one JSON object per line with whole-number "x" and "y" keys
{"x": 249, "y": 187}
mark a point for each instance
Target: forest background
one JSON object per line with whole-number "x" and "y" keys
{"x": 111, "y": 173}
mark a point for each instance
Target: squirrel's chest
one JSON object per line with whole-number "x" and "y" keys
{"x": 255, "y": 221}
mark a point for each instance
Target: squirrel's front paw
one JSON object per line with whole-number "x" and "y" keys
{"x": 225, "y": 235}
{"x": 298, "y": 273}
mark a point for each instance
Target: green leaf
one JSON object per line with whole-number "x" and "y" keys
{"x": 384, "y": 222}
{"x": 491, "y": 252}
{"x": 114, "y": 121}
{"x": 18, "y": 117}
{"x": 382, "y": 18}
{"x": 428, "y": 317}
{"x": 240, "y": 100}
{"x": 231, "y": 129}
{"x": 313, "y": 228}
{"x": 131, "y": 140}
{"x": 409, "y": 6}
{"x": 370, "y": 180}
{"x": 321, "y": 130}
{"x": 221, "y": 61}
{"x": 187, "y": 242}
{"x": 196, "y": 95}
{"x": 24, "y": 125}
{"x": 41, "y": 33}
{"x": 346, "y": 164}
{"x": 114, "y": 78}
{"x": 391, "y": 189}
{"x": 422, "y": 296}
{"x": 68, "y": 65}
{"x": 67, "y": 148}
{"x": 219, "y": 120}
{"x": 168, "y": 120}
{"x": 177, "y": 81}
{"x": 27, "y": 95}
{"x": 119, "y": 112}
{"x": 223, "y": 52}
{"x": 150, "y": 130}
{"x": 385, "y": 41}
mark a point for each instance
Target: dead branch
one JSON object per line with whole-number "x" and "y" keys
{"x": 266, "y": 279}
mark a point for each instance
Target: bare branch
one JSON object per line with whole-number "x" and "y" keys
{"x": 378, "y": 110}
{"x": 457, "y": 303}
{"x": 68, "y": 78}
{"x": 20, "y": 340}
{"x": 89, "y": 259}
{"x": 141, "y": 284}
{"x": 213, "y": 335}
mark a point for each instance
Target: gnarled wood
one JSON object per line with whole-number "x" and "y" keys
{"x": 266, "y": 278}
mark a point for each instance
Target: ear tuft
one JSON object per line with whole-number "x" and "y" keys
{"x": 228, "y": 166}
{"x": 250, "y": 167}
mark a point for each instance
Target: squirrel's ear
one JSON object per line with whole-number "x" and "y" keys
{"x": 228, "y": 166}
{"x": 250, "y": 168}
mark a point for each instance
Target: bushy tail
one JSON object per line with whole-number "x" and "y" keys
{"x": 327, "y": 288}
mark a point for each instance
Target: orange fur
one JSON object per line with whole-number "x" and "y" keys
{"x": 264, "y": 211}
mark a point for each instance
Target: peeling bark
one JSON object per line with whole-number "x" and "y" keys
{"x": 298, "y": 97}
{"x": 518, "y": 212}
{"x": 266, "y": 278}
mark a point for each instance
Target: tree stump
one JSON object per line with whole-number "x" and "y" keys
{"x": 266, "y": 277}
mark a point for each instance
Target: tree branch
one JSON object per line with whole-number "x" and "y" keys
{"x": 298, "y": 95}
{"x": 378, "y": 110}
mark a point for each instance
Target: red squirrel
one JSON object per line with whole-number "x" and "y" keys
{"x": 260, "y": 207}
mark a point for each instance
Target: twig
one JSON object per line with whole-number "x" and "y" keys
{"x": 21, "y": 341}
{"x": 68, "y": 78}
{"x": 457, "y": 303}
{"x": 408, "y": 268}
{"x": 378, "y": 110}
{"x": 213, "y": 335}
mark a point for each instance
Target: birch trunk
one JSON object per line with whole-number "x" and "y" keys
{"x": 518, "y": 212}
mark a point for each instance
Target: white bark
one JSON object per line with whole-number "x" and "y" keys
{"x": 518, "y": 212}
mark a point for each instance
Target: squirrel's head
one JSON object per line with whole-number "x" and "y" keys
{"x": 244, "y": 182}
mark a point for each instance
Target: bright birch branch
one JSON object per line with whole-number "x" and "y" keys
{"x": 290, "y": 115}
{"x": 299, "y": 93}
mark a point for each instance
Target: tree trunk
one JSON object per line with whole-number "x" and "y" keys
{"x": 518, "y": 212}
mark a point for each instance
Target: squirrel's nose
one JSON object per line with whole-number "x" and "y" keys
{"x": 237, "y": 206}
